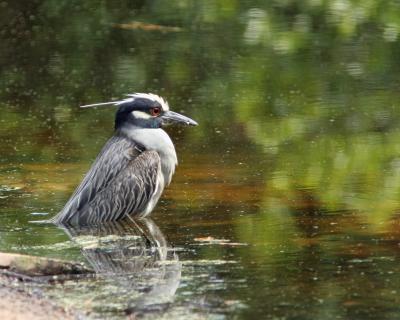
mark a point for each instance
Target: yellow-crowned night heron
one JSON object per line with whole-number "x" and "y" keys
{"x": 131, "y": 171}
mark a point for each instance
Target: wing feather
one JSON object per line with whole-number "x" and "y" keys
{"x": 114, "y": 183}
{"x": 124, "y": 195}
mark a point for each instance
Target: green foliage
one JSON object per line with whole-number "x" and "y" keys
{"x": 297, "y": 99}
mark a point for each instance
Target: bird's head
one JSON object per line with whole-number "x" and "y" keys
{"x": 145, "y": 110}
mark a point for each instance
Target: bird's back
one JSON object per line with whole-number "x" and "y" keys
{"x": 122, "y": 181}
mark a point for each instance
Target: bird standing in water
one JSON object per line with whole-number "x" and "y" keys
{"x": 131, "y": 171}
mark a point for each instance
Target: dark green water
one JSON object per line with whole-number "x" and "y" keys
{"x": 296, "y": 162}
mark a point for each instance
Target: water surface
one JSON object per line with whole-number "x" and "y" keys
{"x": 285, "y": 204}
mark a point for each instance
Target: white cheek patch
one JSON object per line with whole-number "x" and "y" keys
{"x": 141, "y": 115}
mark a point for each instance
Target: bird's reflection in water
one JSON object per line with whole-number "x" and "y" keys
{"x": 134, "y": 254}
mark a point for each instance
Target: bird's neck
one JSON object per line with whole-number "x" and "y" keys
{"x": 157, "y": 140}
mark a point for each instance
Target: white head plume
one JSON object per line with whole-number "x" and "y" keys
{"x": 132, "y": 97}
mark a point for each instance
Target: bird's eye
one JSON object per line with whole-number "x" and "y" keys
{"x": 155, "y": 111}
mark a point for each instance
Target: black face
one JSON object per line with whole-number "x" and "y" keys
{"x": 140, "y": 112}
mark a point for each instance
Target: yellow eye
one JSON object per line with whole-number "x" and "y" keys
{"x": 155, "y": 111}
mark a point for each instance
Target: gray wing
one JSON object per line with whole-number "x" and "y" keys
{"x": 118, "y": 183}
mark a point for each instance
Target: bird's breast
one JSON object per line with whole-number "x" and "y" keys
{"x": 159, "y": 141}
